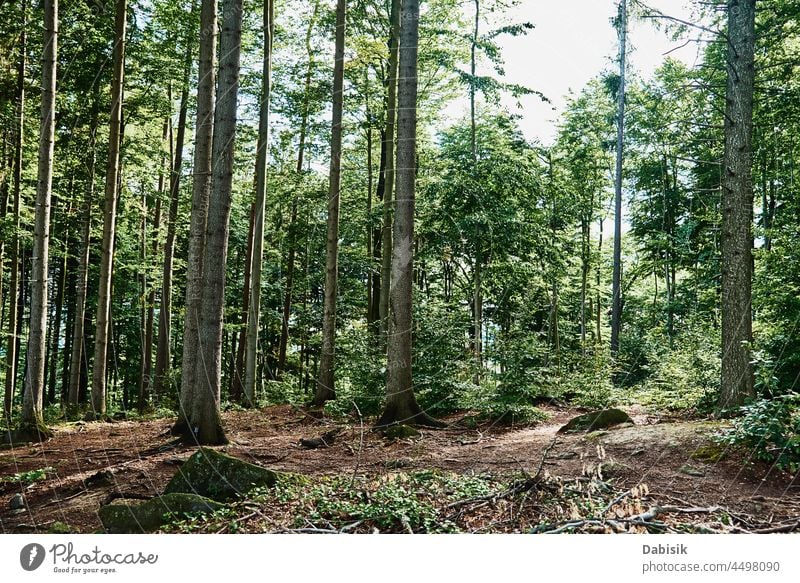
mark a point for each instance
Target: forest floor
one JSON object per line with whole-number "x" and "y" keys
{"x": 660, "y": 474}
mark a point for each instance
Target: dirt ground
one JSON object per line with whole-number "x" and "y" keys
{"x": 93, "y": 463}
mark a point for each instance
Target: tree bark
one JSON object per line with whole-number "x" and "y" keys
{"x": 14, "y": 314}
{"x": 206, "y": 424}
{"x": 110, "y": 215}
{"x": 401, "y": 405}
{"x": 616, "y": 289}
{"x": 163, "y": 349}
{"x": 237, "y": 381}
{"x": 737, "y": 381}
{"x": 78, "y": 353}
{"x": 325, "y": 381}
{"x": 389, "y": 168}
{"x": 261, "y": 196}
{"x": 201, "y": 190}
{"x": 32, "y": 419}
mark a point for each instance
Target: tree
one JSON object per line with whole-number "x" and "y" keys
{"x": 616, "y": 292}
{"x": 261, "y": 192}
{"x": 201, "y": 191}
{"x": 205, "y": 423}
{"x": 109, "y": 214}
{"x": 737, "y": 208}
{"x": 163, "y": 352}
{"x": 32, "y": 420}
{"x": 325, "y": 381}
{"x": 14, "y": 315}
{"x": 401, "y": 405}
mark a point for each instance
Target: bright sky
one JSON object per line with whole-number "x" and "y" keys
{"x": 572, "y": 42}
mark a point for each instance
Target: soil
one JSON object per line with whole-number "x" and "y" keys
{"x": 93, "y": 463}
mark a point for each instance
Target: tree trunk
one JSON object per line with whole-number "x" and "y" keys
{"x": 287, "y": 297}
{"x": 737, "y": 209}
{"x": 237, "y": 382}
{"x": 261, "y": 195}
{"x": 401, "y": 405}
{"x": 78, "y": 353}
{"x": 32, "y": 419}
{"x": 201, "y": 190}
{"x": 388, "y": 154}
{"x": 325, "y": 381}
{"x": 163, "y": 349}
{"x": 616, "y": 289}
{"x": 14, "y": 313}
{"x": 110, "y": 215}
{"x": 205, "y": 421}
{"x": 61, "y": 284}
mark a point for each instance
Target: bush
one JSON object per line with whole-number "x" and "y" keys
{"x": 771, "y": 428}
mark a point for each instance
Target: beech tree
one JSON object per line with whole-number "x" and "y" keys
{"x": 32, "y": 420}
{"x": 325, "y": 381}
{"x": 101, "y": 342}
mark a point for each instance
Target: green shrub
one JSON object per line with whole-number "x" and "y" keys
{"x": 771, "y": 428}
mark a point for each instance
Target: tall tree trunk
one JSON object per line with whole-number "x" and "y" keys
{"x": 261, "y": 195}
{"x": 14, "y": 314}
{"x": 616, "y": 285}
{"x": 737, "y": 381}
{"x": 401, "y": 405}
{"x": 145, "y": 383}
{"x": 325, "y": 381}
{"x": 371, "y": 275}
{"x": 163, "y": 349}
{"x": 388, "y": 157}
{"x": 78, "y": 355}
{"x": 109, "y": 215}
{"x": 237, "y": 382}
{"x": 32, "y": 420}
{"x": 205, "y": 421}
{"x": 201, "y": 190}
{"x": 287, "y": 297}
{"x": 55, "y": 331}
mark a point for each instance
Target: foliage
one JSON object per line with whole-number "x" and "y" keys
{"x": 770, "y": 429}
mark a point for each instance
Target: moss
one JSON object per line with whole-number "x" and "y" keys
{"x": 710, "y": 453}
{"x": 219, "y": 476}
{"x": 400, "y": 432}
{"x": 596, "y": 420}
{"x": 60, "y": 528}
{"x": 153, "y": 514}
{"x": 691, "y": 471}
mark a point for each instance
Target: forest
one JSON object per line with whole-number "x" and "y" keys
{"x": 256, "y": 276}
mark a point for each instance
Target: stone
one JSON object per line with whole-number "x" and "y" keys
{"x": 596, "y": 420}
{"x": 691, "y": 471}
{"x": 218, "y": 476}
{"x": 400, "y": 432}
{"x": 153, "y": 514}
{"x": 17, "y": 502}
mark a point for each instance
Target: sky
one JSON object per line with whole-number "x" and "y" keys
{"x": 573, "y": 40}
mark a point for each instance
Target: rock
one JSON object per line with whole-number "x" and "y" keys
{"x": 567, "y": 455}
{"x": 612, "y": 469}
{"x": 596, "y": 420}
{"x": 325, "y": 440}
{"x": 153, "y": 514}
{"x": 218, "y": 476}
{"x": 691, "y": 471}
{"x": 398, "y": 464}
{"x": 101, "y": 478}
{"x": 710, "y": 453}
{"x": 400, "y": 432}
{"x": 17, "y": 502}
{"x": 60, "y": 528}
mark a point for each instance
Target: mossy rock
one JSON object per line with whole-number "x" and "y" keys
{"x": 60, "y": 528}
{"x": 692, "y": 471}
{"x": 709, "y": 453}
{"x": 218, "y": 476}
{"x": 596, "y": 420}
{"x": 153, "y": 514}
{"x": 400, "y": 432}
{"x": 613, "y": 469}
